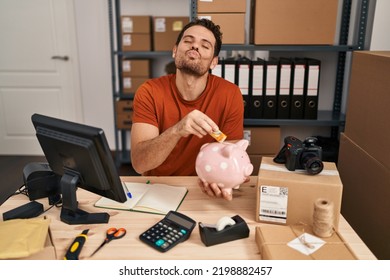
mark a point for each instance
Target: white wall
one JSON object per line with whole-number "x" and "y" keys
{"x": 380, "y": 39}
{"x": 95, "y": 60}
{"x": 95, "y": 65}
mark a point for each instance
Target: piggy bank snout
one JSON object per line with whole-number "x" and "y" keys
{"x": 248, "y": 169}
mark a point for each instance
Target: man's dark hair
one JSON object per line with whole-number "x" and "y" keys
{"x": 215, "y": 29}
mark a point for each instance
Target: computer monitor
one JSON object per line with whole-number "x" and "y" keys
{"x": 81, "y": 156}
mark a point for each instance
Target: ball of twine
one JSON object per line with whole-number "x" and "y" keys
{"x": 323, "y": 218}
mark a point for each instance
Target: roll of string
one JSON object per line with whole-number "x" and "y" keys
{"x": 323, "y": 218}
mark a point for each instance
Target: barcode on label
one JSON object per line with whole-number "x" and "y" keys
{"x": 274, "y": 212}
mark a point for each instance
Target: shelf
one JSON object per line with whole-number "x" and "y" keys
{"x": 314, "y": 48}
{"x": 297, "y": 48}
{"x": 325, "y": 118}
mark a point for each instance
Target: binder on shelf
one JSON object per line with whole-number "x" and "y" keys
{"x": 242, "y": 79}
{"x": 229, "y": 70}
{"x": 313, "y": 67}
{"x": 257, "y": 76}
{"x": 271, "y": 78}
{"x": 298, "y": 84}
{"x": 284, "y": 88}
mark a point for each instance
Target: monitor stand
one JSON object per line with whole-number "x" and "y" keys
{"x": 70, "y": 213}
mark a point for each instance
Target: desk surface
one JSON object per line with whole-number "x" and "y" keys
{"x": 196, "y": 205}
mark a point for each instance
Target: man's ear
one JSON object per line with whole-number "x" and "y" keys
{"x": 174, "y": 51}
{"x": 214, "y": 62}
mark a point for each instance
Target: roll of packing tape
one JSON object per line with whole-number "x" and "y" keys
{"x": 224, "y": 222}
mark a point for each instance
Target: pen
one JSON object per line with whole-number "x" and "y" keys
{"x": 128, "y": 193}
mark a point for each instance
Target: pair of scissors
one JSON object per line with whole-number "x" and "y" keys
{"x": 112, "y": 233}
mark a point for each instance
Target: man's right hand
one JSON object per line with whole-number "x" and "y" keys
{"x": 196, "y": 123}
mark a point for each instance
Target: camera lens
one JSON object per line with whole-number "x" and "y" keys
{"x": 313, "y": 165}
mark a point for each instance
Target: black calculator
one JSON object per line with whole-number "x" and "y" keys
{"x": 173, "y": 229}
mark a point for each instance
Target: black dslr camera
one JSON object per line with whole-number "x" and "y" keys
{"x": 296, "y": 154}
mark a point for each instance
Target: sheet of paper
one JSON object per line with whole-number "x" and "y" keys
{"x": 306, "y": 243}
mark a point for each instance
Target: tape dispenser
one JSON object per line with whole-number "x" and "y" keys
{"x": 226, "y": 229}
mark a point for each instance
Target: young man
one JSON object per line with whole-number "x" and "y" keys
{"x": 174, "y": 114}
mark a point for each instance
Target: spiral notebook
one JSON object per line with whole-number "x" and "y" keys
{"x": 148, "y": 198}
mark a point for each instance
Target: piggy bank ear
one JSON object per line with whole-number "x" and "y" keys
{"x": 243, "y": 144}
{"x": 227, "y": 151}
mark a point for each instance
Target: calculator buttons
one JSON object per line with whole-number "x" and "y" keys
{"x": 163, "y": 236}
{"x": 168, "y": 232}
{"x": 159, "y": 242}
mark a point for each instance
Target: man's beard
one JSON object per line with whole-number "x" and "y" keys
{"x": 191, "y": 68}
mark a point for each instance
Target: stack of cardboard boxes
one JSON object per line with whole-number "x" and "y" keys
{"x": 285, "y": 208}
{"x": 229, "y": 15}
{"x": 147, "y": 33}
{"x": 134, "y": 73}
{"x": 364, "y": 160}
{"x": 136, "y": 33}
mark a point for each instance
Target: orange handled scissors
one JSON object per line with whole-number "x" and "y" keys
{"x": 112, "y": 233}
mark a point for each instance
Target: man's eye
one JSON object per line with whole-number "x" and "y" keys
{"x": 206, "y": 47}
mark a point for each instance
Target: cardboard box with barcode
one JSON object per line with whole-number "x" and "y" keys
{"x": 287, "y": 197}
{"x": 136, "y": 33}
{"x": 297, "y": 242}
{"x": 166, "y": 30}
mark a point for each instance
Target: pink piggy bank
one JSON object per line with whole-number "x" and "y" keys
{"x": 226, "y": 164}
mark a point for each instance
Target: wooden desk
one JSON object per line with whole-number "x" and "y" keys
{"x": 196, "y": 205}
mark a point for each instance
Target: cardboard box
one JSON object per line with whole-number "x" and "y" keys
{"x": 131, "y": 84}
{"x": 272, "y": 241}
{"x": 124, "y": 114}
{"x": 221, "y": 6}
{"x": 263, "y": 140}
{"x": 136, "y": 42}
{"x": 366, "y": 196}
{"x": 136, "y": 24}
{"x": 294, "y": 22}
{"x": 124, "y": 106}
{"x": 256, "y": 161}
{"x": 166, "y": 30}
{"x": 136, "y": 67}
{"x": 368, "y": 104}
{"x": 124, "y": 120}
{"x": 232, "y": 26}
{"x": 287, "y": 197}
